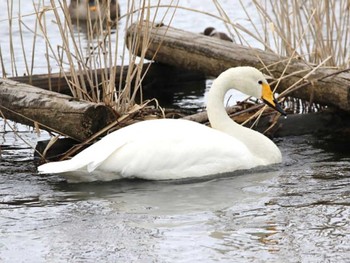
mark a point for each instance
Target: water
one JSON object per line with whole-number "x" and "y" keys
{"x": 297, "y": 211}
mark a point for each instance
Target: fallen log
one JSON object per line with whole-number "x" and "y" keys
{"x": 52, "y": 111}
{"x": 211, "y": 56}
{"x": 325, "y": 122}
{"x": 156, "y": 77}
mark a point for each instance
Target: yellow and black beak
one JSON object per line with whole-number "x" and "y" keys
{"x": 268, "y": 98}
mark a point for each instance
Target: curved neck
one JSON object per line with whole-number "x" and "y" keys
{"x": 256, "y": 142}
{"x": 217, "y": 114}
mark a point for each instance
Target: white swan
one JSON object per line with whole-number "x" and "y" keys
{"x": 174, "y": 148}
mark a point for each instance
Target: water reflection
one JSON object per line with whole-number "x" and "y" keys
{"x": 177, "y": 197}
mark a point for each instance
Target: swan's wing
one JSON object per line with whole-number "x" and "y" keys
{"x": 108, "y": 149}
{"x": 58, "y": 167}
{"x": 92, "y": 157}
{"x": 89, "y": 158}
{"x": 178, "y": 149}
{"x": 159, "y": 149}
{"x": 191, "y": 157}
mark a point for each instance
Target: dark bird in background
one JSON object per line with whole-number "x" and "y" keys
{"x": 211, "y": 32}
{"x": 79, "y": 9}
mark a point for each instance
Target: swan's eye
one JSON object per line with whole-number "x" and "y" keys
{"x": 260, "y": 82}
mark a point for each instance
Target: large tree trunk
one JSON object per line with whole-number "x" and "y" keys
{"x": 210, "y": 55}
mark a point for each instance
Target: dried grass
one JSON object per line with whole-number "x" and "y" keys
{"x": 81, "y": 53}
{"x": 317, "y": 32}
{"x": 309, "y": 29}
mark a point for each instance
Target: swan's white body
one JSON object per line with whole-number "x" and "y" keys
{"x": 175, "y": 149}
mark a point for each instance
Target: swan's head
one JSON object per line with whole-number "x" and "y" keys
{"x": 252, "y": 82}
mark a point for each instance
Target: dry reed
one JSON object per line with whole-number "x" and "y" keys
{"x": 86, "y": 47}
{"x": 315, "y": 31}
{"x": 82, "y": 51}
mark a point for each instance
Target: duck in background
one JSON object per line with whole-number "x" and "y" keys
{"x": 79, "y": 9}
{"x": 211, "y": 32}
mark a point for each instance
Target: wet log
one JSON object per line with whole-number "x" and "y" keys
{"x": 211, "y": 56}
{"x": 318, "y": 123}
{"x": 59, "y": 82}
{"x": 156, "y": 78}
{"x": 52, "y": 111}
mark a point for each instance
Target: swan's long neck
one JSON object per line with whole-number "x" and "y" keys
{"x": 215, "y": 104}
{"x": 256, "y": 142}
{"x": 217, "y": 115}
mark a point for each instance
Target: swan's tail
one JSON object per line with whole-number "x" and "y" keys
{"x": 59, "y": 167}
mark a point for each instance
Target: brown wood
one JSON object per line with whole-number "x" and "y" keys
{"x": 52, "y": 111}
{"x": 157, "y": 77}
{"x": 211, "y": 56}
{"x": 54, "y": 82}
{"x": 59, "y": 82}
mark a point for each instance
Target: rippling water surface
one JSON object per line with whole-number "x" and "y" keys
{"x": 297, "y": 211}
